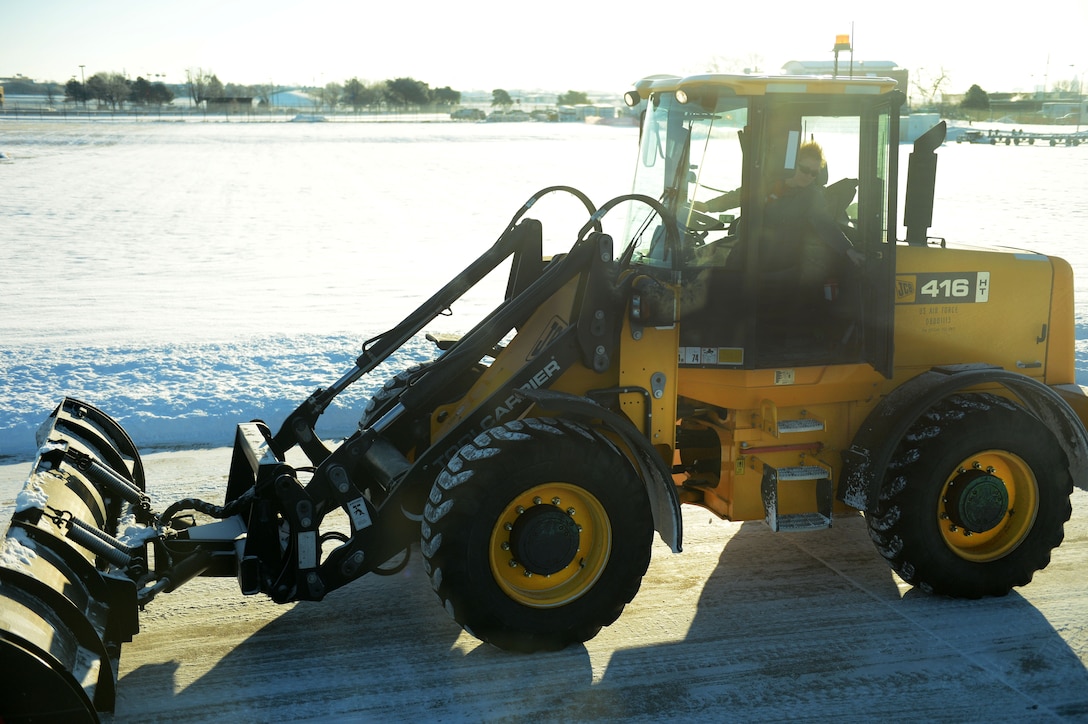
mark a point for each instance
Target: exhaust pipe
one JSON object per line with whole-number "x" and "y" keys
{"x": 67, "y": 589}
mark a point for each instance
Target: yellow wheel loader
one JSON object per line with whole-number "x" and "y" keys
{"x": 764, "y": 351}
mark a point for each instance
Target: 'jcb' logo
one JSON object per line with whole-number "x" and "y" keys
{"x": 551, "y": 332}
{"x": 905, "y": 290}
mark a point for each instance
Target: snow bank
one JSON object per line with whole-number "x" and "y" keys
{"x": 188, "y": 395}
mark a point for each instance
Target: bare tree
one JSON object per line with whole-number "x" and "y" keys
{"x": 330, "y": 95}
{"x": 264, "y": 92}
{"x": 196, "y": 81}
{"x": 119, "y": 89}
{"x": 109, "y": 89}
{"x": 752, "y": 63}
{"x": 1071, "y": 86}
{"x": 213, "y": 87}
{"x": 929, "y": 85}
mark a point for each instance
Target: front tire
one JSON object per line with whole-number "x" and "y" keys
{"x": 415, "y": 435}
{"x": 974, "y": 500}
{"x": 537, "y": 534}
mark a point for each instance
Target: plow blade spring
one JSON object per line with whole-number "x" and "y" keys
{"x": 65, "y": 609}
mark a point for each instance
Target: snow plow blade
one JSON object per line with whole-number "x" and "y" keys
{"x": 63, "y": 614}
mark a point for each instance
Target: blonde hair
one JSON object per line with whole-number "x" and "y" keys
{"x": 812, "y": 149}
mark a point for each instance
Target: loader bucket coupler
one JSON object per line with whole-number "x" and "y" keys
{"x": 65, "y": 608}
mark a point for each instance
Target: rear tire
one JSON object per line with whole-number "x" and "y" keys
{"x": 544, "y": 497}
{"x": 974, "y": 500}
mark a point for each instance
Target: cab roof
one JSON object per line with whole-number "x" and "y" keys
{"x": 758, "y": 85}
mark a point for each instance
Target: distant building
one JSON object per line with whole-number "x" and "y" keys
{"x": 856, "y": 68}
{"x": 293, "y": 99}
{"x": 228, "y": 104}
{"x": 1067, "y": 111}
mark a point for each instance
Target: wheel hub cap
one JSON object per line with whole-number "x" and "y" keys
{"x": 977, "y": 501}
{"x": 544, "y": 540}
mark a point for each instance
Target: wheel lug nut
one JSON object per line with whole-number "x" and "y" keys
{"x": 520, "y": 510}
{"x": 570, "y": 512}
{"x": 537, "y": 500}
{"x": 505, "y": 546}
{"x": 555, "y": 500}
{"x": 513, "y": 563}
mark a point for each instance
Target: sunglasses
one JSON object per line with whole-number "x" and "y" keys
{"x": 808, "y": 170}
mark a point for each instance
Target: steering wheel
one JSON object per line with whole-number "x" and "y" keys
{"x": 698, "y": 221}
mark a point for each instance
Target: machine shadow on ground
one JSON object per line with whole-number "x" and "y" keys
{"x": 378, "y": 649}
{"x": 816, "y": 625}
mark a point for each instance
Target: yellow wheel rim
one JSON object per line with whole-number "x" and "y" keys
{"x": 550, "y": 545}
{"x": 988, "y": 505}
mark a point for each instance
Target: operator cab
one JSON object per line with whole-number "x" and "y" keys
{"x": 768, "y": 276}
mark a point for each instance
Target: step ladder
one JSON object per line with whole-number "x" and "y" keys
{"x": 768, "y": 412}
{"x": 823, "y": 492}
{"x": 817, "y": 473}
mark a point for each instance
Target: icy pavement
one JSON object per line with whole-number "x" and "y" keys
{"x": 744, "y": 625}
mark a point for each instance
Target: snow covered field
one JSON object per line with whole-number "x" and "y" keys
{"x": 184, "y": 277}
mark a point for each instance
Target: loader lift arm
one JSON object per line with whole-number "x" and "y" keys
{"x": 517, "y": 240}
{"x": 383, "y": 492}
{"x": 376, "y": 484}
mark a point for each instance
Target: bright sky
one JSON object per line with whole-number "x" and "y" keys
{"x": 556, "y": 45}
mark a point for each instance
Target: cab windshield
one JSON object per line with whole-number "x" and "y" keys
{"x": 690, "y": 154}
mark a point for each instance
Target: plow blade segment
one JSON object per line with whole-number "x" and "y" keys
{"x": 66, "y": 600}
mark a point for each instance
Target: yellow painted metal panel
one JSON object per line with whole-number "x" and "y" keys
{"x": 955, "y": 306}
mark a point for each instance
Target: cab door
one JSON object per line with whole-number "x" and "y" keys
{"x": 845, "y": 315}
{"x": 877, "y": 193}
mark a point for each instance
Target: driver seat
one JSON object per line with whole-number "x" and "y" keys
{"x": 839, "y": 196}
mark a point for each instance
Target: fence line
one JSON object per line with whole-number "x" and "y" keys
{"x": 274, "y": 115}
